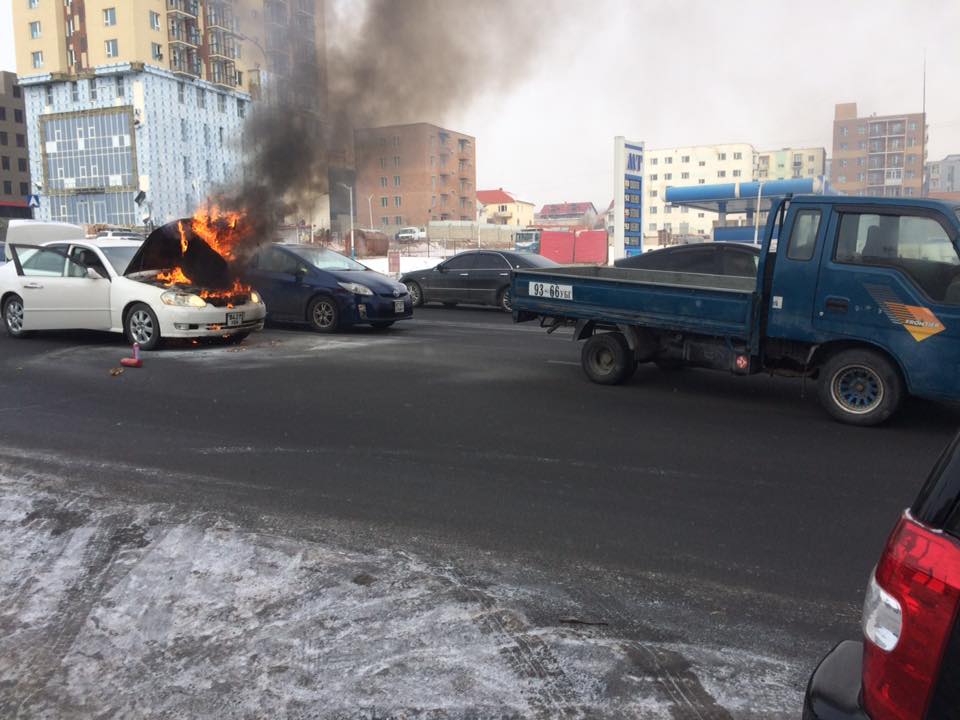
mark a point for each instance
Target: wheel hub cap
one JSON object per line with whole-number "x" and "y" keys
{"x": 15, "y": 316}
{"x": 141, "y": 327}
{"x": 857, "y": 389}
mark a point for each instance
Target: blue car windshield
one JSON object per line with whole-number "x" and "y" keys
{"x": 328, "y": 260}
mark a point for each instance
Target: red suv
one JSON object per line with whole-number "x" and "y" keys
{"x": 908, "y": 665}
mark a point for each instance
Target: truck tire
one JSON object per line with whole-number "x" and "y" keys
{"x": 860, "y": 387}
{"x": 606, "y": 359}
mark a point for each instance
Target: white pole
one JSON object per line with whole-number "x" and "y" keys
{"x": 756, "y": 217}
{"x": 353, "y": 239}
{"x": 370, "y": 208}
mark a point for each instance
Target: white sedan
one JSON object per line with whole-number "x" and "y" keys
{"x": 81, "y": 284}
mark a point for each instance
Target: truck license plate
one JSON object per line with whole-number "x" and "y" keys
{"x": 551, "y": 290}
{"x": 398, "y": 307}
{"x": 234, "y": 319}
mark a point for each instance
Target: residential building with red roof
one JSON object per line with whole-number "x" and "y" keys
{"x": 583, "y": 214}
{"x": 501, "y": 208}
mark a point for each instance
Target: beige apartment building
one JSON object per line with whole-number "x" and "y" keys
{"x": 225, "y": 42}
{"x": 791, "y": 163}
{"x": 408, "y": 175}
{"x": 14, "y": 160}
{"x": 682, "y": 167}
{"x": 881, "y": 155}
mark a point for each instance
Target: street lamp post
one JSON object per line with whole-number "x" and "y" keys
{"x": 370, "y": 208}
{"x": 353, "y": 240}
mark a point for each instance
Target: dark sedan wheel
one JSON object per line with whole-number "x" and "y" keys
{"x": 13, "y": 316}
{"x": 323, "y": 315}
{"x": 416, "y": 293}
{"x": 505, "y": 300}
{"x": 607, "y": 360}
{"x": 142, "y": 327}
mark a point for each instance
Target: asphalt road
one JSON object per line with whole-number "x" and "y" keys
{"x": 684, "y": 507}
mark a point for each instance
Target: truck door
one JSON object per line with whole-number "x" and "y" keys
{"x": 891, "y": 276}
{"x": 795, "y": 273}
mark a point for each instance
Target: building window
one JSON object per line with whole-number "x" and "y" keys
{"x": 722, "y": 156}
{"x": 397, "y": 200}
{"x": 843, "y": 163}
{"x": 396, "y": 161}
{"x": 667, "y": 209}
{"x": 35, "y": 30}
{"x": 21, "y": 140}
{"x": 186, "y": 166}
{"x": 842, "y": 178}
{"x": 702, "y": 163}
{"x": 112, "y": 49}
{"x": 221, "y": 102}
{"x": 738, "y": 156}
{"x": 668, "y": 176}
{"x": 843, "y": 146}
{"x": 21, "y": 165}
{"x": 156, "y": 51}
{"x": 92, "y": 88}
{"x": 71, "y": 57}
{"x": 154, "y": 20}
{"x": 32, "y": 4}
{"x": 181, "y": 92}
{"x": 7, "y": 187}
{"x": 701, "y": 181}
{"x": 653, "y": 210}
{"x": 385, "y": 220}
{"x": 3, "y": 137}
{"x": 685, "y": 159}
{"x": 861, "y": 130}
{"x": 913, "y": 125}
{"x": 220, "y": 133}
{"x": 241, "y": 108}
{"x": 399, "y": 219}
{"x": 843, "y": 131}
{"x": 653, "y": 161}
{"x": 396, "y": 141}
{"x": 668, "y": 161}
{"x": 653, "y": 178}
{"x": 201, "y": 97}
{"x": 721, "y": 173}
{"x": 4, "y": 162}
{"x": 384, "y": 202}
{"x": 110, "y": 16}
{"x": 383, "y": 162}
{"x": 119, "y": 84}
{"x": 653, "y": 193}
{"x": 736, "y": 173}
{"x": 37, "y": 58}
{"x": 383, "y": 181}
{"x": 75, "y": 91}
{"x": 183, "y": 129}
{"x": 396, "y": 181}
{"x": 685, "y": 176}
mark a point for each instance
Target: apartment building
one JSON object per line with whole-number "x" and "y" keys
{"x": 408, "y": 175}
{"x": 136, "y": 107}
{"x": 881, "y": 155}
{"x": 499, "y": 207}
{"x": 943, "y": 176}
{"x": 14, "y": 162}
{"x": 791, "y": 163}
{"x": 685, "y": 166}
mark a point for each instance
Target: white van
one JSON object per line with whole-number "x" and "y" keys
{"x": 34, "y": 232}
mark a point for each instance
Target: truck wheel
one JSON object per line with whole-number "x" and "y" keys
{"x": 606, "y": 359}
{"x": 860, "y": 387}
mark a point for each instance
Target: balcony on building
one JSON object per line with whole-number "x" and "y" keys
{"x": 184, "y": 33}
{"x": 276, "y": 12}
{"x": 304, "y": 7}
{"x": 220, "y": 17}
{"x": 225, "y": 73}
{"x": 222, "y": 45}
{"x": 185, "y": 62}
{"x": 187, "y": 8}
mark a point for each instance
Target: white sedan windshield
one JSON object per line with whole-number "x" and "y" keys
{"x": 119, "y": 257}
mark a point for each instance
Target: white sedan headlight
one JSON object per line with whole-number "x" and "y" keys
{"x": 182, "y": 299}
{"x": 356, "y": 288}
{"x": 255, "y": 297}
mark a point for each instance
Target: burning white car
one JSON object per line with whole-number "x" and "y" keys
{"x": 173, "y": 285}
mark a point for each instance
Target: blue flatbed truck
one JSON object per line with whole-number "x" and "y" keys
{"x": 861, "y": 293}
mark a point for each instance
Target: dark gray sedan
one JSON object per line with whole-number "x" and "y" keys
{"x": 475, "y": 277}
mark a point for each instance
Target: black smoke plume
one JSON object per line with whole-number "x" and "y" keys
{"x": 385, "y": 62}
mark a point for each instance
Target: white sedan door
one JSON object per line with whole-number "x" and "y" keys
{"x": 56, "y": 292}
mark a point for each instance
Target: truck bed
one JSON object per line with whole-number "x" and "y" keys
{"x": 686, "y": 302}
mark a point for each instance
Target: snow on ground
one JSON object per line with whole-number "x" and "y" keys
{"x": 117, "y": 609}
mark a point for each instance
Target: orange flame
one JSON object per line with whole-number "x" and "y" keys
{"x": 174, "y": 277}
{"x": 183, "y": 238}
{"x": 237, "y": 289}
{"x": 221, "y": 230}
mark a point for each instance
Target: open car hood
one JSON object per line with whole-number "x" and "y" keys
{"x": 162, "y": 250}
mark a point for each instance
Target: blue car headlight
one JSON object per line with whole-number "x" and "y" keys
{"x": 356, "y": 288}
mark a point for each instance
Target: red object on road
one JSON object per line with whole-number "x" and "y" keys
{"x": 569, "y": 247}
{"x": 135, "y": 361}
{"x": 557, "y": 245}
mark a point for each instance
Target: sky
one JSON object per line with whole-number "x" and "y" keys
{"x": 695, "y": 72}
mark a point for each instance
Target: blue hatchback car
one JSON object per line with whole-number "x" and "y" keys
{"x": 326, "y": 290}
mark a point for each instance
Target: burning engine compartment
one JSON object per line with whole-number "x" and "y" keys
{"x": 199, "y": 255}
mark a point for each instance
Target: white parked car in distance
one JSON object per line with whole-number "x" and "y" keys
{"x": 81, "y": 284}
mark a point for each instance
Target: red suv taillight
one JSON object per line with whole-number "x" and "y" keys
{"x": 908, "y": 616}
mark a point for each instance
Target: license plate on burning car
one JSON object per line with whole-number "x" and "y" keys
{"x": 234, "y": 319}
{"x": 398, "y": 306}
